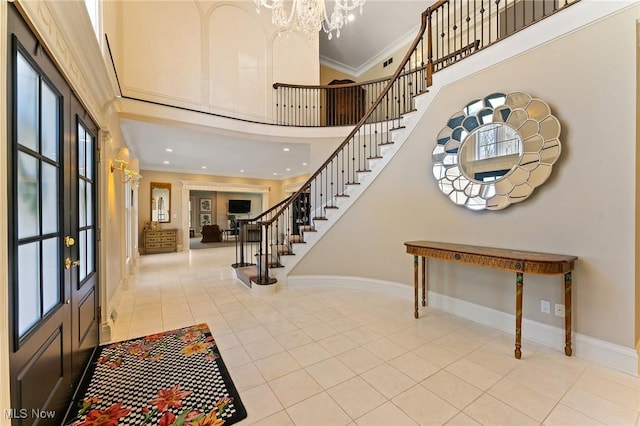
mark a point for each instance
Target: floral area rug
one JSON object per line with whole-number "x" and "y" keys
{"x": 172, "y": 378}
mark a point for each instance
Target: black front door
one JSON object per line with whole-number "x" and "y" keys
{"x": 52, "y": 232}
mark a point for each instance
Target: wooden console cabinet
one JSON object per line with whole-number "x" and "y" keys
{"x": 160, "y": 240}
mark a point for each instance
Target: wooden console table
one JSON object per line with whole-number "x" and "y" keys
{"x": 516, "y": 261}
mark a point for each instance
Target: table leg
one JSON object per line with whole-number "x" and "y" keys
{"x": 415, "y": 286}
{"x": 424, "y": 281}
{"x": 567, "y": 314}
{"x": 519, "y": 285}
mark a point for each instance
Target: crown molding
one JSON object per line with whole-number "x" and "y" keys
{"x": 66, "y": 30}
{"x": 392, "y": 48}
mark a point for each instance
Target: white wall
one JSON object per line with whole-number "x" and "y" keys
{"x": 215, "y": 56}
{"x": 586, "y": 208}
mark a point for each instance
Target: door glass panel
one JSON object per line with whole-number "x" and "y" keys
{"x": 82, "y": 161}
{"x": 50, "y": 123}
{"x": 28, "y": 191}
{"x": 89, "y": 201}
{"x": 27, "y": 114}
{"x": 90, "y": 253}
{"x": 82, "y": 248}
{"x": 38, "y": 197}
{"x": 82, "y": 203}
{"x": 29, "y": 289}
{"x": 89, "y": 152}
{"x": 49, "y": 198}
{"x": 86, "y": 203}
{"x": 50, "y": 274}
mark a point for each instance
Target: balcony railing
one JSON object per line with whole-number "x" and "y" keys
{"x": 450, "y": 31}
{"x": 455, "y": 30}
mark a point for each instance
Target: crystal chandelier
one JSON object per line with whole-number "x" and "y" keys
{"x": 310, "y": 16}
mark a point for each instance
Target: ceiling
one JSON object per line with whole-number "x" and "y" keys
{"x": 382, "y": 28}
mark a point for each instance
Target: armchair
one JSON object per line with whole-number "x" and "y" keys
{"x": 211, "y": 234}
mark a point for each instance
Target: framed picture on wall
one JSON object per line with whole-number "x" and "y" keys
{"x": 205, "y": 219}
{"x": 205, "y": 204}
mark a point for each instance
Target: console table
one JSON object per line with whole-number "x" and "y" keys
{"x": 516, "y": 261}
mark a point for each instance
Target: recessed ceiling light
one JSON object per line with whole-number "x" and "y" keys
{"x": 275, "y": 174}
{"x": 204, "y": 167}
{"x": 304, "y": 164}
{"x": 241, "y": 171}
{"x": 286, "y": 149}
{"x": 288, "y": 169}
{"x": 166, "y": 162}
{"x": 169, "y": 150}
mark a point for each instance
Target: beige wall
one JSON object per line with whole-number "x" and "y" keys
{"x": 586, "y": 208}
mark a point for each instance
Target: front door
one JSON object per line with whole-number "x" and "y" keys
{"x": 52, "y": 233}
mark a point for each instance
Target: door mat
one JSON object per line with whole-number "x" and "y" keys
{"x": 174, "y": 378}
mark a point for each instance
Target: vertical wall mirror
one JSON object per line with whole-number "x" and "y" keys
{"x": 160, "y": 202}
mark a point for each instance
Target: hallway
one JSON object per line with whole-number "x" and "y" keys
{"x": 344, "y": 357}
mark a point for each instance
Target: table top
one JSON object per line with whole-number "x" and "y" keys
{"x": 518, "y": 260}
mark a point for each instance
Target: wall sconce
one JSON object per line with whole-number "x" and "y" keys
{"x": 130, "y": 173}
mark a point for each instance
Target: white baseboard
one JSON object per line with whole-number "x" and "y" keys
{"x": 601, "y": 352}
{"x": 110, "y": 312}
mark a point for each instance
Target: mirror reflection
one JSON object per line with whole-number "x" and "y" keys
{"x": 496, "y": 150}
{"x": 490, "y": 152}
{"x": 160, "y": 202}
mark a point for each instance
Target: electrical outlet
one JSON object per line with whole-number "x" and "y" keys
{"x": 545, "y": 306}
{"x": 559, "y": 311}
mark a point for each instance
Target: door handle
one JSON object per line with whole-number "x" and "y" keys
{"x": 69, "y": 241}
{"x": 68, "y": 263}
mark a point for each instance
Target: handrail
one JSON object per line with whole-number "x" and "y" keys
{"x": 287, "y": 223}
{"x": 335, "y": 86}
{"x": 363, "y": 120}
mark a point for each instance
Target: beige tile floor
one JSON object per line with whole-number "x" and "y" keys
{"x": 343, "y": 357}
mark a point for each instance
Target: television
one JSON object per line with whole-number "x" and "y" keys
{"x": 239, "y": 206}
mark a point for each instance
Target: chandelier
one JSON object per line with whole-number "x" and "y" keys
{"x": 310, "y": 16}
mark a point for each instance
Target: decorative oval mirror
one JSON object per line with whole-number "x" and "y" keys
{"x": 496, "y": 150}
{"x": 160, "y": 202}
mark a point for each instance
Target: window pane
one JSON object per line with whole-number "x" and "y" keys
{"x": 81, "y": 155}
{"x": 28, "y": 207}
{"x": 89, "y": 152}
{"x": 82, "y": 203}
{"x": 49, "y": 198}
{"x": 82, "y": 249}
{"x": 50, "y": 122}
{"x": 50, "y": 274}
{"x": 89, "y": 201}
{"x": 27, "y": 114}
{"x": 90, "y": 252}
{"x": 28, "y": 286}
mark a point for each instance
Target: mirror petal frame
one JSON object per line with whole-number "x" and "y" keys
{"x": 539, "y": 131}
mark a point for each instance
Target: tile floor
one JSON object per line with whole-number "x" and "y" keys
{"x": 342, "y": 357}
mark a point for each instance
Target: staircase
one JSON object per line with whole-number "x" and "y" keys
{"x": 291, "y": 228}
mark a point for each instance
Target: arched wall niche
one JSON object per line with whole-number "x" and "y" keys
{"x": 239, "y": 63}
{"x": 161, "y": 55}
